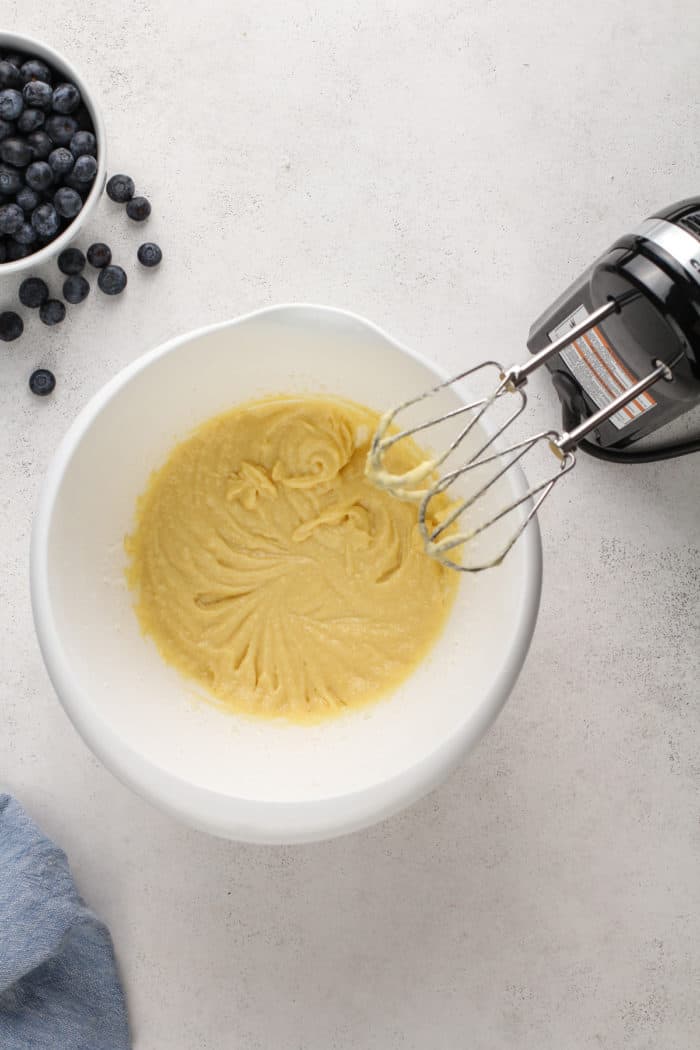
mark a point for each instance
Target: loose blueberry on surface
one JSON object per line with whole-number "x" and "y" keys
{"x": 16, "y": 152}
{"x": 52, "y": 311}
{"x": 99, "y": 255}
{"x": 85, "y": 168}
{"x": 67, "y": 202}
{"x": 11, "y": 104}
{"x": 38, "y": 95}
{"x": 11, "y": 218}
{"x": 15, "y": 250}
{"x": 120, "y": 188}
{"x": 42, "y": 382}
{"x": 75, "y": 289}
{"x": 71, "y": 260}
{"x": 28, "y": 199}
{"x": 138, "y": 208}
{"x": 149, "y": 254}
{"x": 9, "y": 75}
{"x": 112, "y": 280}
{"x": 40, "y": 143}
{"x": 11, "y": 326}
{"x": 30, "y": 120}
{"x": 7, "y": 128}
{"x": 66, "y": 98}
{"x": 35, "y": 69}
{"x": 39, "y": 175}
{"x": 45, "y": 220}
{"x": 61, "y": 160}
{"x": 10, "y": 181}
{"x": 33, "y": 292}
{"x": 60, "y": 129}
{"x": 26, "y": 234}
{"x": 82, "y": 143}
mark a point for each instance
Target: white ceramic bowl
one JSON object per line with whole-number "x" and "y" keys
{"x": 35, "y": 48}
{"x": 232, "y": 776}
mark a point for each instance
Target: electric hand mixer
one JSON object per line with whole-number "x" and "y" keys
{"x": 622, "y": 345}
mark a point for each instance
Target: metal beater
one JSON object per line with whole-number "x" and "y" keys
{"x": 646, "y": 288}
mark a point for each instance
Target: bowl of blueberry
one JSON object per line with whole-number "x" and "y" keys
{"x": 52, "y": 152}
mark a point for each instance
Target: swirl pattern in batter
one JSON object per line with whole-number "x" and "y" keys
{"x": 268, "y": 568}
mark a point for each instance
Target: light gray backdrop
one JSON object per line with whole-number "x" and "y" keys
{"x": 445, "y": 169}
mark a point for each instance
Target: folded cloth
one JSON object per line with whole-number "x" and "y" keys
{"x": 59, "y": 987}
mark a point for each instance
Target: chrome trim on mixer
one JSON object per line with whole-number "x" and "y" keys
{"x": 684, "y": 248}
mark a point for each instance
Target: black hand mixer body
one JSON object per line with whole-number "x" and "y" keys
{"x": 653, "y": 274}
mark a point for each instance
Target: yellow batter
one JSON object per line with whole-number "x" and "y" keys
{"x": 268, "y": 568}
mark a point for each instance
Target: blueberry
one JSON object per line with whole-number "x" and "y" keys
{"x": 9, "y": 75}
{"x": 85, "y": 168}
{"x": 6, "y": 128}
{"x": 60, "y": 129}
{"x": 30, "y": 120}
{"x": 10, "y": 180}
{"x": 38, "y": 95}
{"x": 112, "y": 280}
{"x": 52, "y": 311}
{"x": 35, "y": 69}
{"x": 11, "y": 218}
{"x": 75, "y": 289}
{"x": 11, "y": 104}
{"x": 45, "y": 220}
{"x": 26, "y": 234}
{"x": 71, "y": 260}
{"x": 66, "y": 98}
{"x": 42, "y": 382}
{"x": 40, "y": 143}
{"x": 149, "y": 254}
{"x": 15, "y": 250}
{"x": 83, "y": 188}
{"x": 39, "y": 175}
{"x": 99, "y": 255}
{"x": 16, "y": 152}
{"x": 83, "y": 142}
{"x": 61, "y": 160}
{"x": 120, "y": 188}
{"x": 67, "y": 202}
{"x": 33, "y": 292}
{"x": 15, "y": 59}
{"x": 83, "y": 118}
{"x": 27, "y": 198}
{"x": 11, "y": 326}
{"x": 138, "y": 209}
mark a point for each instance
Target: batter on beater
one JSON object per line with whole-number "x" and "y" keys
{"x": 269, "y": 569}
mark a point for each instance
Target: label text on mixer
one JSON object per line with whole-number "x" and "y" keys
{"x": 598, "y": 369}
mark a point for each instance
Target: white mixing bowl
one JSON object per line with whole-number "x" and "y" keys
{"x": 227, "y": 774}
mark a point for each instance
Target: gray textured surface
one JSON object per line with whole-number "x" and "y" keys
{"x": 405, "y": 160}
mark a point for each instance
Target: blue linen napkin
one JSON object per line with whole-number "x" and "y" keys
{"x": 59, "y": 988}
